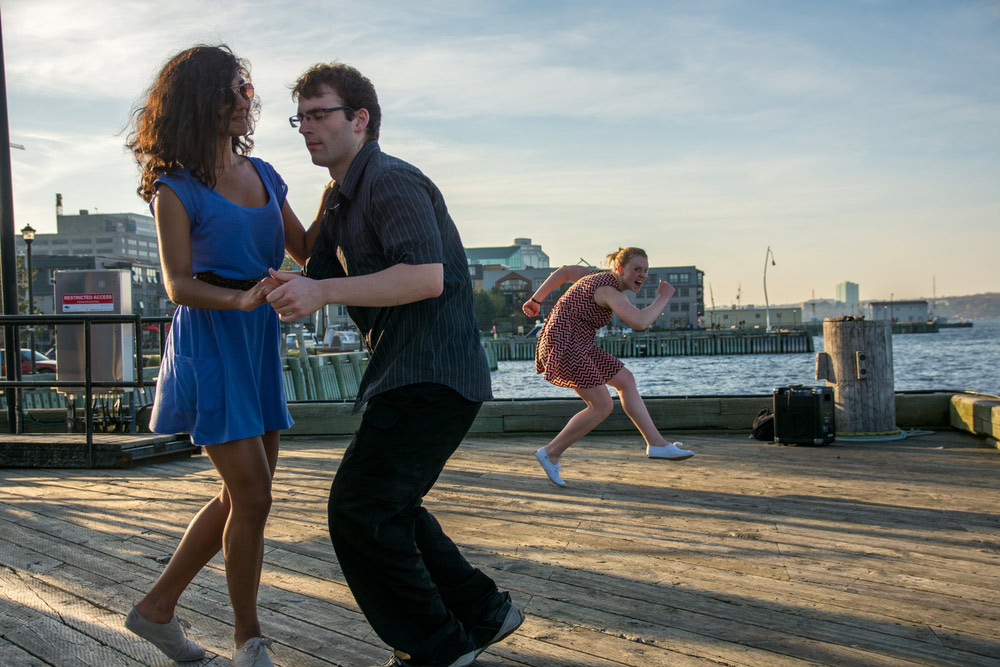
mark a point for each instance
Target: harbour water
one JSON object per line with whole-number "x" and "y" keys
{"x": 962, "y": 359}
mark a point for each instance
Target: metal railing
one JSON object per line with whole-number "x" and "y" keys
{"x": 15, "y": 408}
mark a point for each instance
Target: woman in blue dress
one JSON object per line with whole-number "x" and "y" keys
{"x": 222, "y": 221}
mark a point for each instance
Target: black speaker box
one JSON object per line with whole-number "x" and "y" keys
{"x": 804, "y": 415}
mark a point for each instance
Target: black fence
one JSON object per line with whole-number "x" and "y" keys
{"x": 14, "y": 383}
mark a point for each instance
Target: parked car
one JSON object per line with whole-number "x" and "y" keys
{"x": 292, "y": 340}
{"x": 336, "y": 341}
{"x": 42, "y": 363}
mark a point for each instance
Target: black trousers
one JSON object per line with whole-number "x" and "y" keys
{"x": 415, "y": 588}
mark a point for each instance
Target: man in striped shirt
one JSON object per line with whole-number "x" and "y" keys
{"x": 391, "y": 253}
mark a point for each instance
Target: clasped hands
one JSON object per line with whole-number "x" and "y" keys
{"x": 292, "y": 295}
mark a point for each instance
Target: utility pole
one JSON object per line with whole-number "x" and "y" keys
{"x": 8, "y": 259}
{"x": 767, "y": 305}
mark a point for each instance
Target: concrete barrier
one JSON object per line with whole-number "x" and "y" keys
{"x": 969, "y": 412}
{"x": 978, "y": 414}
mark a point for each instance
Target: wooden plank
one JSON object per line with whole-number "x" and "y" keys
{"x": 12, "y": 655}
{"x": 880, "y": 554}
{"x": 47, "y": 624}
{"x": 69, "y": 450}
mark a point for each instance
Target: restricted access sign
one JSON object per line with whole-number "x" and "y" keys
{"x": 102, "y": 302}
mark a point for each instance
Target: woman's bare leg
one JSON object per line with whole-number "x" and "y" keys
{"x": 599, "y": 406}
{"x": 246, "y": 471}
{"x": 212, "y": 529}
{"x": 201, "y": 541}
{"x": 635, "y": 408}
{"x": 271, "y": 444}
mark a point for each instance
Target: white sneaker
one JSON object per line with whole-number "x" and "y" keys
{"x": 168, "y": 637}
{"x": 253, "y": 653}
{"x": 670, "y": 452}
{"x": 551, "y": 469}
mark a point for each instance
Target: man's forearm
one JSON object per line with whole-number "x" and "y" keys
{"x": 395, "y": 286}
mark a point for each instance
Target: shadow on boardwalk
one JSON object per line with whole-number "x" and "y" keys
{"x": 747, "y": 554}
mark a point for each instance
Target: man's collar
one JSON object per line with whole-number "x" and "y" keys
{"x": 358, "y": 164}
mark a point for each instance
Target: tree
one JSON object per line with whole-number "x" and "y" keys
{"x": 490, "y": 306}
{"x": 22, "y": 284}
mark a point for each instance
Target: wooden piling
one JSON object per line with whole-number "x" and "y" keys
{"x": 857, "y": 362}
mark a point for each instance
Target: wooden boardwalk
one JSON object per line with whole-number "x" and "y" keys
{"x": 747, "y": 554}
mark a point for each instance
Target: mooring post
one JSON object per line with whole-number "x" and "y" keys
{"x": 857, "y": 362}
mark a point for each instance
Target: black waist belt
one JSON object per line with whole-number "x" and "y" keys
{"x": 213, "y": 278}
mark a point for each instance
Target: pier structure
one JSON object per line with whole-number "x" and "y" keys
{"x": 931, "y": 326}
{"x": 337, "y": 376}
{"x": 748, "y": 554}
{"x": 672, "y": 344}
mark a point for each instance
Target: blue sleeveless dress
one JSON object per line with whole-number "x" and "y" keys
{"x": 220, "y": 377}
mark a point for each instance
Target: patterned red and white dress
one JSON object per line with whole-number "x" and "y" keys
{"x": 566, "y": 352}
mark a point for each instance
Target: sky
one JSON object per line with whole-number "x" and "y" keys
{"x": 859, "y": 140}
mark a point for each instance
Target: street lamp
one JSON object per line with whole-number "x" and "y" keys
{"x": 767, "y": 305}
{"x": 28, "y": 234}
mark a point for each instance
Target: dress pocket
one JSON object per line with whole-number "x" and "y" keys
{"x": 198, "y": 388}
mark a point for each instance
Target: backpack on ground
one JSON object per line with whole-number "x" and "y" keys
{"x": 763, "y": 426}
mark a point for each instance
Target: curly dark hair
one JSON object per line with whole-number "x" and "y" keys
{"x": 353, "y": 88}
{"x": 177, "y": 123}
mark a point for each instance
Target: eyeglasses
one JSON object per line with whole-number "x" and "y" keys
{"x": 317, "y": 114}
{"x": 245, "y": 90}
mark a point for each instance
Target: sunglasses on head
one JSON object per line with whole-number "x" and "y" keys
{"x": 245, "y": 90}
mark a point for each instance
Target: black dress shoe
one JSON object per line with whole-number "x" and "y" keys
{"x": 505, "y": 619}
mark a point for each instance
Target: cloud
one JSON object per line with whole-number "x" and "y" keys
{"x": 700, "y": 131}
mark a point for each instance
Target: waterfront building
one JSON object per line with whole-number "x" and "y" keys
{"x": 476, "y": 274}
{"x": 684, "y": 311}
{"x": 686, "y": 308}
{"x": 847, "y": 293}
{"x": 522, "y": 255}
{"x": 898, "y": 311}
{"x": 125, "y": 235}
{"x": 817, "y": 310}
{"x": 752, "y": 317}
{"x": 100, "y": 241}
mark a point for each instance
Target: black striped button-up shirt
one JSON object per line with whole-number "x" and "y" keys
{"x": 386, "y": 212}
